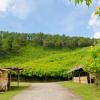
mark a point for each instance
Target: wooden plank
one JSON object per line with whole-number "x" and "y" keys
{"x": 82, "y": 78}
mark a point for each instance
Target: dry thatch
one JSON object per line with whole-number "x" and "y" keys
{"x": 75, "y": 69}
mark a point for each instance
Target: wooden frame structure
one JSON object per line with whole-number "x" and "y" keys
{"x": 80, "y": 76}
{"x": 15, "y": 69}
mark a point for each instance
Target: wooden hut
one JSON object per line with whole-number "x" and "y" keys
{"x": 3, "y": 79}
{"x": 81, "y": 76}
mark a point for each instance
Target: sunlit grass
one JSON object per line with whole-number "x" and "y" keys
{"x": 14, "y": 90}
{"x": 85, "y": 91}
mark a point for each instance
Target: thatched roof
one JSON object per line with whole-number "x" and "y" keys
{"x": 0, "y": 72}
{"x": 10, "y": 69}
{"x": 75, "y": 69}
{"x": 4, "y": 70}
{"x": 14, "y": 68}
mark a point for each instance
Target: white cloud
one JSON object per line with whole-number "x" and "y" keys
{"x": 94, "y": 24}
{"x": 4, "y": 4}
{"x": 22, "y": 8}
{"x": 96, "y": 35}
{"x": 18, "y": 8}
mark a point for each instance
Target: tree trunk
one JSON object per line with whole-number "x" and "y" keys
{"x": 97, "y": 79}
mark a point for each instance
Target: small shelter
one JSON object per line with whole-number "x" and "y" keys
{"x": 5, "y": 77}
{"x": 81, "y": 76}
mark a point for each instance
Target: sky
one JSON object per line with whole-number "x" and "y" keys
{"x": 50, "y": 17}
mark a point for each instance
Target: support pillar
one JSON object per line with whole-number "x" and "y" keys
{"x": 18, "y": 78}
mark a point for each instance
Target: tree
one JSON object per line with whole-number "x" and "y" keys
{"x": 97, "y": 11}
{"x": 93, "y": 63}
{"x": 7, "y": 43}
{"x": 88, "y": 3}
{"x": 0, "y": 43}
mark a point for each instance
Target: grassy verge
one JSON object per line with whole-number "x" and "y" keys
{"x": 87, "y": 92}
{"x": 13, "y": 91}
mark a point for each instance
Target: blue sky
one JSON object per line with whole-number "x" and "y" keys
{"x": 48, "y": 16}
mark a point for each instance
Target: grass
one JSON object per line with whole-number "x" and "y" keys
{"x": 85, "y": 91}
{"x": 13, "y": 91}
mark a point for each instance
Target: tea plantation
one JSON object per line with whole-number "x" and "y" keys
{"x": 43, "y": 63}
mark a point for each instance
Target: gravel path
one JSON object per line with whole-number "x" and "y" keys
{"x": 46, "y": 91}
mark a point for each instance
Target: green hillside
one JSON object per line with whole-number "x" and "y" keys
{"x": 45, "y": 55}
{"x": 40, "y": 62}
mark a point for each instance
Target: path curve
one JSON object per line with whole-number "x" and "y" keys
{"x": 46, "y": 91}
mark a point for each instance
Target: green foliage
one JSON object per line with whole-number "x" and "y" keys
{"x": 43, "y": 55}
{"x": 44, "y": 63}
{"x": 93, "y": 63}
{"x": 14, "y": 41}
{"x": 88, "y": 2}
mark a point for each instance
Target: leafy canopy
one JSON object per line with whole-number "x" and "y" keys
{"x": 97, "y": 11}
{"x": 88, "y": 2}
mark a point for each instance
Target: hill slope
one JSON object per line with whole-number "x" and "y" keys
{"x": 40, "y": 62}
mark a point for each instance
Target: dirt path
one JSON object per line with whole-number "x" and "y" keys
{"x": 46, "y": 91}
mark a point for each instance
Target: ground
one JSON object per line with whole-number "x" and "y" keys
{"x": 86, "y": 91}
{"x": 46, "y": 91}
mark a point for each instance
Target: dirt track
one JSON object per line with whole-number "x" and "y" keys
{"x": 46, "y": 91}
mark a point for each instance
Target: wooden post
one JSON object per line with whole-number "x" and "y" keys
{"x": 18, "y": 78}
{"x": 68, "y": 76}
{"x": 9, "y": 80}
{"x": 90, "y": 78}
{"x": 72, "y": 75}
{"x": 79, "y": 77}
